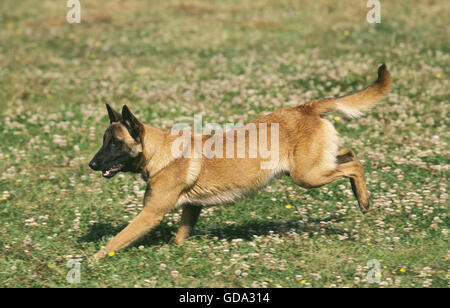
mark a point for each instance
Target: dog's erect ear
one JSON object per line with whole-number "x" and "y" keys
{"x": 114, "y": 116}
{"x": 135, "y": 128}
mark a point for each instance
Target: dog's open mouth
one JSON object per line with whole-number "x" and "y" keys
{"x": 112, "y": 171}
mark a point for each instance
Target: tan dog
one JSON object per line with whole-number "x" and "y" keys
{"x": 305, "y": 146}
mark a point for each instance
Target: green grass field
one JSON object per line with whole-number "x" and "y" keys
{"x": 230, "y": 61}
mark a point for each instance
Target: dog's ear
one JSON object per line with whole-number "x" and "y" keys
{"x": 114, "y": 116}
{"x": 135, "y": 128}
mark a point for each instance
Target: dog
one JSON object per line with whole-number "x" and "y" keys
{"x": 307, "y": 149}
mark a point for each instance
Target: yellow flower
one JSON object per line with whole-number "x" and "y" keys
{"x": 302, "y": 261}
{"x": 446, "y": 258}
{"x": 71, "y": 36}
{"x": 18, "y": 180}
{"x": 288, "y": 206}
{"x": 346, "y": 33}
{"x": 4, "y": 198}
{"x": 402, "y": 270}
{"x": 98, "y": 44}
{"x": 303, "y": 281}
{"x": 369, "y": 244}
{"x": 93, "y": 56}
{"x": 381, "y": 260}
{"x": 141, "y": 72}
{"x": 111, "y": 253}
{"x": 438, "y": 76}
{"x": 337, "y": 118}
{"x": 9, "y": 25}
{"x": 6, "y": 155}
{"x": 134, "y": 88}
{"x": 49, "y": 96}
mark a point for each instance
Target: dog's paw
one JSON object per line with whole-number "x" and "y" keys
{"x": 364, "y": 203}
{"x": 99, "y": 255}
{"x": 364, "y": 207}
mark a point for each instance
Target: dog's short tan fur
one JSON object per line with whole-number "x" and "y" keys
{"x": 308, "y": 152}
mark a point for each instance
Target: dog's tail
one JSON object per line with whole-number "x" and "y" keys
{"x": 352, "y": 105}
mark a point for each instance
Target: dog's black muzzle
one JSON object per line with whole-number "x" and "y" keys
{"x": 94, "y": 165}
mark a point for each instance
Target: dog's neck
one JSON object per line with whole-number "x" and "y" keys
{"x": 156, "y": 151}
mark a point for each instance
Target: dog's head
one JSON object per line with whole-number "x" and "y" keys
{"x": 122, "y": 144}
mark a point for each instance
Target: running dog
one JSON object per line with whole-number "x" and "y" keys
{"x": 307, "y": 151}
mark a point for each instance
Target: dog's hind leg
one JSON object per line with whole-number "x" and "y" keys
{"x": 353, "y": 170}
{"x": 343, "y": 157}
{"x": 188, "y": 219}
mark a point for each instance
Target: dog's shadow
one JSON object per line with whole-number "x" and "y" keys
{"x": 164, "y": 233}
{"x": 160, "y": 235}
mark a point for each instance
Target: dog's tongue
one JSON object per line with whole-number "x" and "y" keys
{"x": 106, "y": 173}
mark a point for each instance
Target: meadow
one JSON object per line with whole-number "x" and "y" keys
{"x": 230, "y": 61}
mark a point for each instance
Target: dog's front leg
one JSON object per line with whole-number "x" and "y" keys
{"x": 157, "y": 202}
{"x": 145, "y": 221}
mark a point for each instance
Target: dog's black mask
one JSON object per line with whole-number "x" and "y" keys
{"x": 121, "y": 144}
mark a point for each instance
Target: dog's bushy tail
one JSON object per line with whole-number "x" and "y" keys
{"x": 354, "y": 104}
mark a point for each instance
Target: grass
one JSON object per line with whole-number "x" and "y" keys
{"x": 229, "y": 61}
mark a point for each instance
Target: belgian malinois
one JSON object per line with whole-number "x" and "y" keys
{"x": 307, "y": 151}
